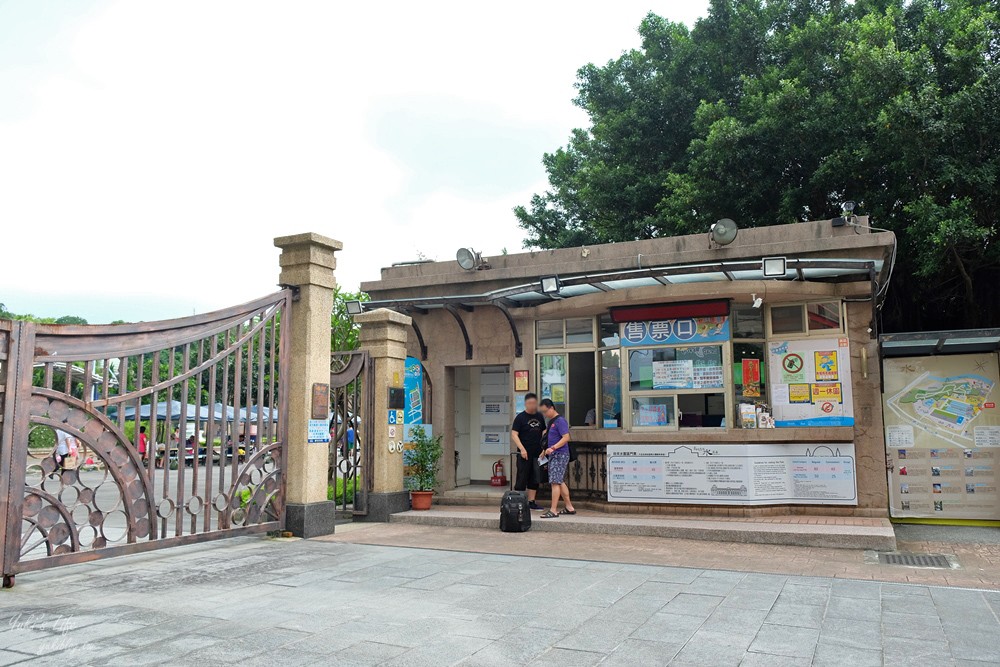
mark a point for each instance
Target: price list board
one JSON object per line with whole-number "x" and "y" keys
{"x": 733, "y": 474}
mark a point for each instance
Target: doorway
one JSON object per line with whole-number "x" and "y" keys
{"x": 483, "y": 397}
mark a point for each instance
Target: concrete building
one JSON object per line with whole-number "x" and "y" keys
{"x": 734, "y": 379}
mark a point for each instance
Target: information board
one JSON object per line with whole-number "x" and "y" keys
{"x": 676, "y": 332}
{"x": 808, "y": 474}
{"x": 942, "y": 436}
{"x": 811, "y": 382}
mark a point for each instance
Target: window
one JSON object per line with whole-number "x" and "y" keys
{"x": 611, "y": 389}
{"x": 653, "y": 411}
{"x": 608, "y": 332}
{"x": 824, "y": 316}
{"x": 749, "y": 376}
{"x": 552, "y": 379}
{"x": 748, "y": 322}
{"x": 787, "y": 319}
{"x": 563, "y": 333}
{"x": 805, "y": 319}
{"x": 640, "y": 366}
{"x": 549, "y": 333}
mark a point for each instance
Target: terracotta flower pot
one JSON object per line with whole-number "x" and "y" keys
{"x": 421, "y": 500}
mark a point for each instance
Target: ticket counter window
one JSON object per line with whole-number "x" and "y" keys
{"x": 611, "y": 389}
{"x": 658, "y": 412}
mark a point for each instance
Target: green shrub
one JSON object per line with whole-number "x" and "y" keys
{"x": 336, "y": 493}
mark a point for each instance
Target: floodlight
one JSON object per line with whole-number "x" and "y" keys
{"x": 354, "y": 307}
{"x": 723, "y": 232}
{"x": 550, "y": 285}
{"x": 467, "y": 258}
{"x": 848, "y": 207}
{"x": 757, "y": 301}
{"x": 774, "y": 267}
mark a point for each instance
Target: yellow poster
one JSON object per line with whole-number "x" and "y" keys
{"x": 827, "y": 392}
{"x": 559, "y": 393}
{"x": 826, "y": 366}
{"x": 799, "y": 393}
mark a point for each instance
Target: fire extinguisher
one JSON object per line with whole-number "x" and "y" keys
{"x": 499, "y": 478}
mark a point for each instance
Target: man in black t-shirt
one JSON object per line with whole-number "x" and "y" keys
{"x": 526, "y": 433}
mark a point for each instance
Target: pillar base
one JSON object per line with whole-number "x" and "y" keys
{"x": 311, "y": 519}
{"x": 381, "y": 505}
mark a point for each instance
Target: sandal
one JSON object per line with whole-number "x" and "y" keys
{"x": 549, "y": 514}
{"x": 566, "y": 511}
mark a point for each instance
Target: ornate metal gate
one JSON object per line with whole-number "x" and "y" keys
{"x": 123, "y": 438}
{"x": 351, "y": 454}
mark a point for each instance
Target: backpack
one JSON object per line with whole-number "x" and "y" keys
{"x": 515, "y": 514}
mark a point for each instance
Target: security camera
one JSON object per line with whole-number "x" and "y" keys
{"x": 757, "y": 301}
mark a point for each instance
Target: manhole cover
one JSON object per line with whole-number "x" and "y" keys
{"x": 915, "y": 560}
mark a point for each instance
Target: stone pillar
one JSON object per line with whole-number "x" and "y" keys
{"x": 307, "y": 263}
{"x": 383, "y": 334}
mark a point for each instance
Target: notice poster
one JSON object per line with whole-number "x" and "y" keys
{"x": 520, "y": 380}
{"x": 806, "y": 394}
{"x": 810, "y": 474}
{"x": 940, "y": 417}
{"x": 673, "y": 374}
{"x": 751, "y": 378}
{"x": 652, "y": 415}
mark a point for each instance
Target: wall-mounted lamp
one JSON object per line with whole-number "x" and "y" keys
{"x": 550, "y": 285}
{"x": 354, "y": 307}
{"x": 757, "y": 301}
{"x": 774, "y": 267}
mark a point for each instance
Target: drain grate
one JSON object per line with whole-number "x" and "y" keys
{"x": 915, "y": 560}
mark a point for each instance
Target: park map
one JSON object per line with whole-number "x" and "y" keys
{"x": 944, "y": 407}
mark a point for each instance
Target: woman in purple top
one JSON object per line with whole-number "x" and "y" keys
{"x": 558, "y": 453}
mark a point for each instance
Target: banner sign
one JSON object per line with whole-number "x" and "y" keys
{"x": 684, "y": 331}
{"x": 413, "y": 386}
{"x": 808, "y": 474}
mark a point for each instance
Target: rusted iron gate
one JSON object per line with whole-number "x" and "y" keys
{"x": 208, "y": 392}
{"x": 352, "y": 427}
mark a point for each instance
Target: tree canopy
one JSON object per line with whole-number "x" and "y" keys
{"x": 777, "y": 111}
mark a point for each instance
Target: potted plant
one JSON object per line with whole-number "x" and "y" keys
{"x": 424, "y": 462}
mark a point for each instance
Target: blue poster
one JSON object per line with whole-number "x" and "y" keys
{"x": 413, "y": 387}
{"x": 684, "y": 331}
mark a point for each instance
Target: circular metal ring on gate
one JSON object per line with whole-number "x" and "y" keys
{"x": 165, "y": 508}
{"x": 221, "y": 502}
{"x": 195, "y": 505}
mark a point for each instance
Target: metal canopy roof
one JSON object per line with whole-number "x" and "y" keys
{"x": 939, "y": 342}
{"x": 816, "y": 270}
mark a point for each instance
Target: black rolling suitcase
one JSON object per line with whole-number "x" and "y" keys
{"x": 515, "y": 515}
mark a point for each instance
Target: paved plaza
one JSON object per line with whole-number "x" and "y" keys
{"x": 260, "y": 601}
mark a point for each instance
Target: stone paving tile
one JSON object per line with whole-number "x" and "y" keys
{"x": 854, "y": 608}
{"x": 367, "y": 653}
{"x": 796, "y": 615}
{"x": 518, "y": 647}
{"x": 851, "y": 633}
{"x": 835, "y": 655}
{"x": 972, "y": 643}
{"x": 669, "y": 628}
{"x": 561, "y": 657}
{"x": 770, "y": 660}
{"x": 899, "y": 651}
{"x": 601, "y": 636}
{"x": 693, "y": 605}
{"x": 785, "y": 640}
{"x": 761, "y": 600}
{"x": 912, "y": 626}
{"x": 909, "y": 604}
{"x": 804, "y": 594}
{"x": 862, "y": 590}
{"x": 700, "y": 654}
{"x": 444, "y": 651}
{"x": 632, "y": 652}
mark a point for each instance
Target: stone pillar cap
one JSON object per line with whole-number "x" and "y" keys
{"x": 308, "y": 238}
{"x": 383, "y": 315}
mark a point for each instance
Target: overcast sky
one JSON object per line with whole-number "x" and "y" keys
{"x": 151, "y": 151}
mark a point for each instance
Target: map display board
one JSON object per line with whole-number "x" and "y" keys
{"x": 808, "y": 474}
{"x": 942, "y": 436}
{"x": 811, "y": 382}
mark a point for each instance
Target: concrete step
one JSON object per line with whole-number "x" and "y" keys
{"x": 875, "y": 534}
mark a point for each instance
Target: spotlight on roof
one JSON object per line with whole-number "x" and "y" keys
{"x": 846, "y": 214}
{"x": 723, "y": 232}
{"x": 551, "y": 285}
{"x": 354, "y": 307}
{"x": 470, "y": 260}
{"x": 774, "y": 267}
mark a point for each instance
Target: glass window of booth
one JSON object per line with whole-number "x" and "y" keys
{"x": 568, "y": 371}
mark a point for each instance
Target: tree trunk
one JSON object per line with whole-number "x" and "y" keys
{"x": 972, "y": 311}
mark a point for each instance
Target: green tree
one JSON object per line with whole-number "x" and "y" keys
{"x": 776, "y": 111}
{"x": 343, "y": 330}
